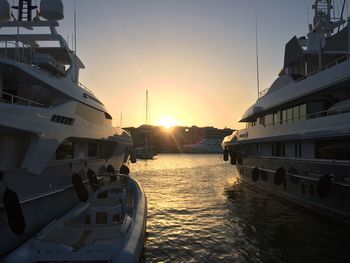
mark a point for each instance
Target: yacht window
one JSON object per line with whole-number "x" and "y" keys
{"x": 279, "y": 149}
{"x": 297, "y": 149}
{"x": 251, "y": 124}
{"x": 117, "y": 218}
{"x": 314, "y": 107}
{"x": 90, "y": 114}
{"x": 333, "y": 149}
{"x": 92, "y": 149}
{"x": 302, "y": 112}
{"x": 65, "y": 151}
{"x": 296, "y": 112}
{"x": 258, "y": 148}
{"x": 262, "y": 120}
{"x": 107, "y": 116}
{"x": 284, "y": 116}
{"x": 101, "y": 218}
{"x": 277, "y": 118}
{"x": 290, "y": 115}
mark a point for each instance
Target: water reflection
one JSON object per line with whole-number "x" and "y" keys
{"x": 199, "y": 213}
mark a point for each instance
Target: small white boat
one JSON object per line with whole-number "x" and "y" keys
{"x": 145, "y": 153}
{"x": 109, "y": 227}
{"x": 205, "y": 145}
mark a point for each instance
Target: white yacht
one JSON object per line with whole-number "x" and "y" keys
{"x": 145, "y": 152}
{"x": 296, "y": 144}
{"x": 205, "y": 145}
{"x": 56, "y": 137}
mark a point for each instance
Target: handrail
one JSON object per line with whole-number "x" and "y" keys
{"x": 81, "y": 85}
{"x": 19, "y": 51}
{"x": 263, "y": 93}
{"x": 20, "y": 55}
{"x": 315, "y": 115}
{"x": 13, "y": 97}
{"x": 327, "y": 66}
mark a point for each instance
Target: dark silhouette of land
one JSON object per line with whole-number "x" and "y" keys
{"x": 172, "y": 140}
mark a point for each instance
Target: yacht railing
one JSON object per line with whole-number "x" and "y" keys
{"x": 341, "y": 110}
{"x": 13, "y": 99}
{"x": 327, "y": 66}
{"x": 316, "y": 115}
{"x": 263, "y": 93}
{"x": 22, "y": 52}
{"x": 81, "y": 85}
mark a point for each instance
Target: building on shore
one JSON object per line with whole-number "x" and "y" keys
{"x": 172, "y": 140}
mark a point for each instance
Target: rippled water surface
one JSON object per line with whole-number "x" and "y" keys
{"x": 198, "y": 212}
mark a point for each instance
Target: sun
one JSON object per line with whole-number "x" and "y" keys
{"x": 167, "y": 122}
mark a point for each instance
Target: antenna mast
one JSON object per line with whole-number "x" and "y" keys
{"x": 146, "y": 107}
{"x": 257, "y": 53}
{"x": 75, "y": 42}
{"x": 121, "y": 119}
{"x": 25, "y": 9}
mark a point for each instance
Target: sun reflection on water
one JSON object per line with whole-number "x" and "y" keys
{"x": 197, "y": 212}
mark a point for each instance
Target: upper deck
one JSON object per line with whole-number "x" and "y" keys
{"x": 312, "y": 63}
{"x": 47, "y": 69}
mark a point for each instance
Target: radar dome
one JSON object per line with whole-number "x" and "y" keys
{"x": 51, "y": 9}
{"x": 4, "y": 10}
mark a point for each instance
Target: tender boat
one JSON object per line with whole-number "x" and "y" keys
{"x": 51, "y": 126}
{"x": 297, "y": 139}
{"x": 109, "y": 227}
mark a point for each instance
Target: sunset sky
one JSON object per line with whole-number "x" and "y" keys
{"x": 195, "y": 57}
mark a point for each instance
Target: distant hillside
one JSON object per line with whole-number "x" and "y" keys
{"x": 172, "y": 140}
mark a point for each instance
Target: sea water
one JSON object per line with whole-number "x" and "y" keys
{"x": 199, "y": 212}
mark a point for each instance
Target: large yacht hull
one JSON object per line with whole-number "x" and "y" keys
{"x": 301, "y": 182}
{"x": 54, "y": 195}
{"x": 56, "y": 136}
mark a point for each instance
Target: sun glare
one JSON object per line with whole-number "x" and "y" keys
{"x": 167, "y": 121}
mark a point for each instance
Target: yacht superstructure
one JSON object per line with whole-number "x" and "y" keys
{"x": 297, "y": 139}
{"x": 51, "y": 126}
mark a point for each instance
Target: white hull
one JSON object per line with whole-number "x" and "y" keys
{"x": 51, "y": 127}
{"x": 300, "y": 184}
{"x": 42, "y": 203}
{"x": 297, "y": 136}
